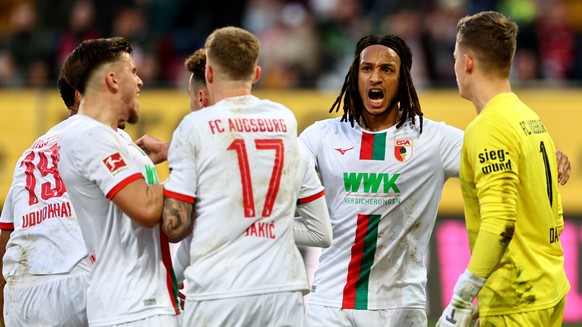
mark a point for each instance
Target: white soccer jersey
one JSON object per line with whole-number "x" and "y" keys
{"x": 238, "y": 160}
{"x": 382, "y": 190}
{"x": 131, "y": 278}
{"x": 309, "y": 188}
{"x": 308, "y": 183}
{"x": 46, "y": 239}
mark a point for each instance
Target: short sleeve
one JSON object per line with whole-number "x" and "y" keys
{"x": 181, "y": 183}
{"x": 7, "y": 217}
{"x": 451, "y": 146}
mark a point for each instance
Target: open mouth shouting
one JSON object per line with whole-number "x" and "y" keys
{"x": 376, "y": 97}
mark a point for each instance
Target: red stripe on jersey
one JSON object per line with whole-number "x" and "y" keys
{"x": 179, "y": 196}
{"x": 355, "y": 263}
{"x": 367, "y": 146}
{"x": 311, "y": 198}
{"x": 7, "y": 226}
{"x": 122, "y": 184}
{"x": 171, "y": 282}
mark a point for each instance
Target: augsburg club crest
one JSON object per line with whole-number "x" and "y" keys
{"x": 403, "y": 149}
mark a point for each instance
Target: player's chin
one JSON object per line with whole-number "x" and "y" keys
{"x": 133, "y": 117}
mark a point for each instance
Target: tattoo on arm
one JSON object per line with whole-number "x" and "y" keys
{"x": 177, "y": 217}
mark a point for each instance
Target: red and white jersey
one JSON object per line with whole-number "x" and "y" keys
{"x": 131, "y": 277}
{"x": 383, "y": 190}
{"x": 46, "y": 239}
{"x": 309, "y": 188}
{"x": 237, "y": 162}
{"x": 308, "y": 183}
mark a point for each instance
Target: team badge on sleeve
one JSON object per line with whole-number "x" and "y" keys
{"x": 403, "y": 149}
{"x": 114, "y": 162}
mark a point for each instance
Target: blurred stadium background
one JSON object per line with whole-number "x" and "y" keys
{"x": 307, "y": 47}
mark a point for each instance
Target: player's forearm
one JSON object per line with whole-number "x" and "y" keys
{"x": 143, "y": 203}
{"x": 313, "y": 228}
{"x": 177, "y": 219}
{"x": 498, "y": 208}
{"x": 488, "y": 251}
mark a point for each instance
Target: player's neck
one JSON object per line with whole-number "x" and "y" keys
{"x": 487, "y": 90}
{"x": 230, "y": 89}
{"x": 99, "y": 109}
{"x": 383, "y": 121}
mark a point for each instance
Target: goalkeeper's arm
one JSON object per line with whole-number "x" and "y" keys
{"x": 487, "y": 252}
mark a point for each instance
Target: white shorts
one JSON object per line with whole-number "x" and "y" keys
{"x": 154, "y": 321}
{"x": 56, "y": 300}
{"x": 322, "y": 316}
{"x": 272, "y": 309}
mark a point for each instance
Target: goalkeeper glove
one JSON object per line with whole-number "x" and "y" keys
{"x": 459, "y": 312}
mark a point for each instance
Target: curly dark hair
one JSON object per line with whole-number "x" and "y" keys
{"x": 407, "y": 97}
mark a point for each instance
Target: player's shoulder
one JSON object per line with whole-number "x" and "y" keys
{"x": 83, "y": 131}
{"x": 435, "y": 128}
{"x": 330, "y": 125}
{"x": 79, "y": 123}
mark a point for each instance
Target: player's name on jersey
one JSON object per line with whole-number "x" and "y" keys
{"x": 534, "y": 126}
{"x": 44, "y": 141}
{"x": 52, "y": 210}
{"x": 248, "y": 125}
{"x": 261, "y": 229}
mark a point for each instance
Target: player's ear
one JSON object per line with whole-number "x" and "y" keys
{"x": 202, "y": 98}
{"x": 208, "y": 74}
{"x": 111, "y": 81}
{"x": 257, "y": 74}
{"x": 468, "y": 59}
{"x": 77, "y": 97}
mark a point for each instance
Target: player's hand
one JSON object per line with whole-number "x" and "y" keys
{"x": 563, "y": 167}
{"x": 156, "y": 150}
{"x": 475, "y": 319}
{"x": 458, "y": 313}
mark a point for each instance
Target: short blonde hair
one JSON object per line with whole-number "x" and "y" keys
{"x": 235, "y": 51}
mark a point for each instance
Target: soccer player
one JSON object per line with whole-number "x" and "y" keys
{"x": 312, "y": 228}
{"x": 44, "y": 258}
{"x": 513, "y": 209}
{"x": 114, "y": 191}
{"x": 237, "y": 161}
{"x": 384, "y": 167}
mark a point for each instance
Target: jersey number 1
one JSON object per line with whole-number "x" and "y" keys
{"x": 47, "y": 191}
{"x": 548, "y": 171}
{"x": 240, "y": 147}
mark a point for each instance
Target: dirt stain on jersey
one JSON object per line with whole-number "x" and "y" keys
{"x": 507, "y": 235}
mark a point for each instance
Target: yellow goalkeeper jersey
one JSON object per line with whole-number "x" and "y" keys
{"x": 509, "y": 173}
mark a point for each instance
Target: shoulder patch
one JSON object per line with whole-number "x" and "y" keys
{"x": 114, "y": 162}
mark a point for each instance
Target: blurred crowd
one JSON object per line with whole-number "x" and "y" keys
{"x": 305, "y": 43}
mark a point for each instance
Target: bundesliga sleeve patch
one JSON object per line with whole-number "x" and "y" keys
{"x": 114, "y": 163}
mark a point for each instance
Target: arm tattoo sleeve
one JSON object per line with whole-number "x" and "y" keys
{"x": 177, "y": 217}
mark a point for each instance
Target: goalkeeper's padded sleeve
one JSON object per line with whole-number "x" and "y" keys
{"x": 488, "y": 250}
{"x": 313, "y": 227}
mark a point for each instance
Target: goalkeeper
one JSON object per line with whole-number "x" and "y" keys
{"x": 513, "y": 209}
